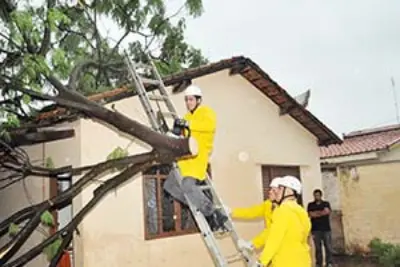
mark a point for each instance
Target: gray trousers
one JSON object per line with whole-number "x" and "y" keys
{"x": 191, "y": 189}
{"x": 320, "y": 237}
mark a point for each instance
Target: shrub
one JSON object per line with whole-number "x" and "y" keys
{"x": 388, "y": 254}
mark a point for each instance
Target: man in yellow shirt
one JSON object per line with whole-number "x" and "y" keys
{"x": 262, "y": 210}
{"x": 200, "y": 122}
{"x": 287, "y": 241}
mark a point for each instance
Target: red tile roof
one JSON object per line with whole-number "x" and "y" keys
{"x": 248, "y": 70}
{"x": 363, "y": 141}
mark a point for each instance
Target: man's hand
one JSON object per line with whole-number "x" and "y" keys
{"x": 227, "y": 210}
{"x": 179, "y": 126}
{"x": 243, "y": 244}
{"x": 256, "y": 264}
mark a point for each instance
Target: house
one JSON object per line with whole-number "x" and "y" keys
{"x": 262, "y": 132}
{"x": 361, "y": 179}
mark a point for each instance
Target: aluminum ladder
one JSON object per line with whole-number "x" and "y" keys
{"x": 158, "y": 123}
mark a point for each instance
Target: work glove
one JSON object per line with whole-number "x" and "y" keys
{"x": 256, "y": 264}
{"x": 227, "y": 210}
{"x": 179, "y": 126}
{"x": 243, "y": 244}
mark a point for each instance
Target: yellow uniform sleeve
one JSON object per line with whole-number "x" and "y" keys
{"x": 259, "y": 241}
{"x": 279, "y": 226}
{"x": 206, "y": 121}
{"x": 252, "y": 212}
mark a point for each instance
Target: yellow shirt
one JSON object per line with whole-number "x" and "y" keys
{"x": 202, "y": 125}
{"x": 257, "y": 211}
{"x": 286, "y": 244}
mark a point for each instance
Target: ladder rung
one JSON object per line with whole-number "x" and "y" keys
{"x": 150, "y": 81}
{"x": 170, "y": 114}
{"x": 158, "y": 97}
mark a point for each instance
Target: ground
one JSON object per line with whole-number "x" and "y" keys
{"x": 346, "y": 261}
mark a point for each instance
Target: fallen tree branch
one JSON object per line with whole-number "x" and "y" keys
{"x": 141, "y": 163}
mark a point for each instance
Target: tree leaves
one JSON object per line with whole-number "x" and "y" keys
{"x": 51, "y": 39}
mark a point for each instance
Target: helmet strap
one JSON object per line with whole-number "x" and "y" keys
{"x": 283, "y": 197}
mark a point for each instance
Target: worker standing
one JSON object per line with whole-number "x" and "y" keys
{"x": 200, "y": 122}
{"x": 286, "y": 244}
{"x": 262, "y": 210}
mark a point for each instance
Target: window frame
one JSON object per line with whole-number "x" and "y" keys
{"x": 278, "y": 170}
{"x": 177, "y": 210}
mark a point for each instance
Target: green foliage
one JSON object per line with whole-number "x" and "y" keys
{"x": 49, "y": 163}
{"x": 118, "y": 153}
{"x": 387, "y": 254}
{"x": 51, "y": 38}
{"x": 47, "y": 218}
{"x": 13, "y": 229}
{"x": 51, "y": 250}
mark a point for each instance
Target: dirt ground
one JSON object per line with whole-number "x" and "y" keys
{"x": 344, "y": 261}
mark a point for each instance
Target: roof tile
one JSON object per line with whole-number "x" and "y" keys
{"x": 363, "y": 141}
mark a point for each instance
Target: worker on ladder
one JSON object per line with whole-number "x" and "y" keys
{"x": 200, "y": 123}
{"x": 287, "y": 242}
{"x": 262, "y": 210}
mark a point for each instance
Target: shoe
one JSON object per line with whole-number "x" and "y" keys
{"x": 329, "y": 265}
{"x": 211, "y": 220}
{"x": 221, "y": 219}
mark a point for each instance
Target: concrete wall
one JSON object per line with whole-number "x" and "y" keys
{"x": 369, "y": 205}
{"x": 365, "y": 193}
{"x": 250, "y": 133}
{"x": 331, "y": 193}
{"x": 35, "y": 189}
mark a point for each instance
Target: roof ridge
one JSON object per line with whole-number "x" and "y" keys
{"x": 369, "y": 131}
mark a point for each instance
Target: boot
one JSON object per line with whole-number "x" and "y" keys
{"x": 220, "y": 219}
{"x": 211, "y": 220}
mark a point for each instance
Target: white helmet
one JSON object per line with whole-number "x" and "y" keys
{"x": 275, "y": 182}
{"x": 291, "y": 182}
{"x": 193, "y": 90}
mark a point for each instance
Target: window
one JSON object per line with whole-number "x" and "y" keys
{"x": 269, "y": 172}
{"x": 163, "y": 215}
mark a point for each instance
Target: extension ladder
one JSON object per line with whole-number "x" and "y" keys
{"x": 158, "y": 123}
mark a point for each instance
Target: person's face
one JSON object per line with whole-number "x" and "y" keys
{"x": 273, "y": 193}
{"x": 191, "y": 102}
{"x": 317, "y": 196}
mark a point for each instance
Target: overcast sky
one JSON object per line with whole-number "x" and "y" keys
{"x": 344, "y": 51}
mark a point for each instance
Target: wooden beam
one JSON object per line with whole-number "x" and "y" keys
{"x": 237, "y": 68}
{"x": 283, "y": 110}
{"x": 24, "y": 138}
{"x": 181, "y": 86}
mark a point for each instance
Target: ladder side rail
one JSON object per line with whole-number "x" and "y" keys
{"x": 162, "y": 88}
{"x": 142, "y": 94}
{"x": 233, "y": 233}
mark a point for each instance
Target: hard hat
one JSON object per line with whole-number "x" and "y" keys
{"x": 275, "y": 182}
{"x": 193, "y": 90}
{"x": 291, "y": 182}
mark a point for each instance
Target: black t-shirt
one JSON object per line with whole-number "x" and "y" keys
{"x": 321, "y": 223}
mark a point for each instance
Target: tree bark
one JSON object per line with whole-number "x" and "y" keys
{"x": 142, "y": 162}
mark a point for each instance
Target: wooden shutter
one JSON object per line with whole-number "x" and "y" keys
{"x": 270, "y": 171}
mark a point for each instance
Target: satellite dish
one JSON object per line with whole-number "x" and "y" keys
{"x": 303, "y": 98}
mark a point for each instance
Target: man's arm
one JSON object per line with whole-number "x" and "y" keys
{"x": 312, "y": 213}
{"x": 252, "y": 212}
{"x": 327, "y": 209}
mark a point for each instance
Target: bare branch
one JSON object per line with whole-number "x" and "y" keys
{"x": 139, "y": 162}
{"x": 47, "y": 31}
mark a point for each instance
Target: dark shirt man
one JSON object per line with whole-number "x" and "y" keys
{"x": 319, "y": 211}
